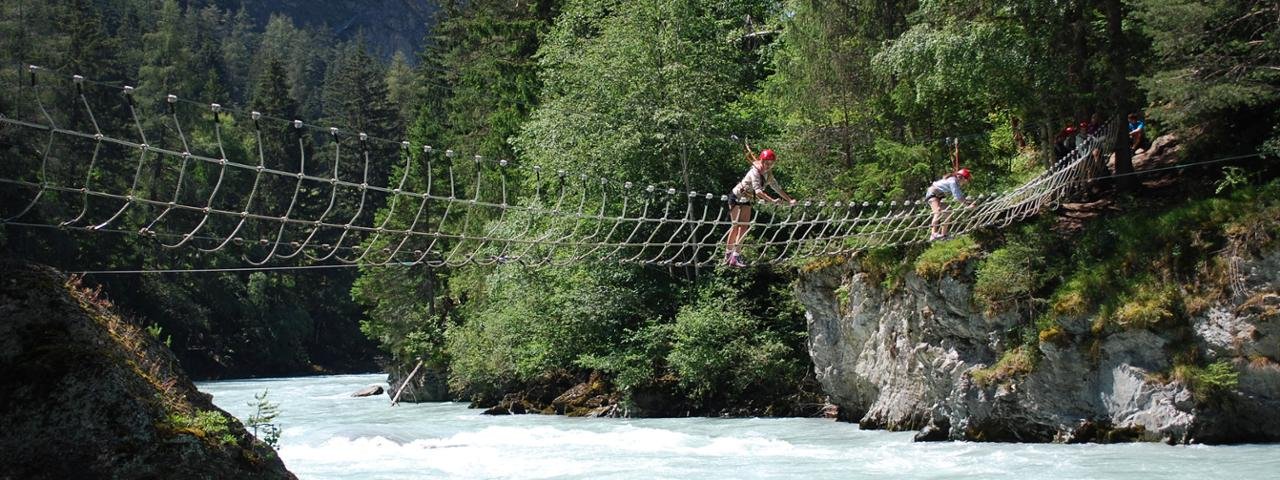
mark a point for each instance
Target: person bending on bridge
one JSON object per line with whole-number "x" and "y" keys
{"x": 750, "y": 189}
{"x": 949, "y": 184}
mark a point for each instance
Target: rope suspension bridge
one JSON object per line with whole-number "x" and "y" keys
{"x": 202, "y": 176}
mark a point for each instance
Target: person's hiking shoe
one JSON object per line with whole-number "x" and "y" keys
{"x": 735, "y": 261}
{"x": 937, "y": 236}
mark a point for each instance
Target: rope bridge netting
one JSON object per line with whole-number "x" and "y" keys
{"x": 79, "y": 155}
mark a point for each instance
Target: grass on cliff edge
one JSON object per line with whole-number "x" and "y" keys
{"x": 946, "y": 257}
{"x": 1151, "y": 271}
{"x": 158, "y": 370}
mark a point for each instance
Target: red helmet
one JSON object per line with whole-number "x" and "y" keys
{"x": 766, "y": 155}
{"x": 964, "y": 172}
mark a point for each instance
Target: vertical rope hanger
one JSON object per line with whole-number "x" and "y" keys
{"x": 222, "y": 172}
{"x": 333, "y": 196}
{"x": 417, "y": 216}
{"x": 590, "y": 241}
{"x": 690, "y": 241}
{"x": 616, "y": 221}
{"x": 293, "y": 200}
{"x": 449, "y": 202}
{"x": 364, "y": 193}
{"x": 666, "y": 214}
{"x": 44, "y": 158}
{"x": 182, "y": 170}
{"x": 391, "y": 209}
{"x": 93, "y": 159}
{"x": 651, "y": 194}
{"x": 142, "y": 158}
{"x": 545, "y": 237}
{"x": 466, "y": 221}
{"x": 253, "y": 190}
{"x": 568, "y": 238}
{"x": 484, "y": 239}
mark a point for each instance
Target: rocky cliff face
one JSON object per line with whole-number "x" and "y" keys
{"x": 923, "y": 356}
{"x": 85, "y": 394}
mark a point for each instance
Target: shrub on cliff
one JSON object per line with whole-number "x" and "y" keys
{"x": 1009, "y": 275}
{"x": 943, "y": 257}
{"x": 1209, "y": 382}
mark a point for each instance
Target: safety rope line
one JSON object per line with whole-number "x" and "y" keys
{"x": 215, "y": 270}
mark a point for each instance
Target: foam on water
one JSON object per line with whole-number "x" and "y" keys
{"x": 329, "y": 435}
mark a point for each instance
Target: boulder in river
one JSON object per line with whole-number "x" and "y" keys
{"x": 368, "y": 391}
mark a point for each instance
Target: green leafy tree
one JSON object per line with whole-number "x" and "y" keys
{"x": 474, "y": 85}
{"x": 630, "y": 93}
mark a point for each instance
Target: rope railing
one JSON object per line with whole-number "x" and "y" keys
{"x": 214, "y": 179}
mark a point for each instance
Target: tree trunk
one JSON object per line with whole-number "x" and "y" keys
{"x": 1120, "y": 92}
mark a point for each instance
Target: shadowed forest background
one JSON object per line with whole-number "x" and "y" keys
{"x": 857, "y": 97}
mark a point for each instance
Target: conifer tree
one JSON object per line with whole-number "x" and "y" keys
{"x": 402, "y": 93}
{"x": 237, "y": 53}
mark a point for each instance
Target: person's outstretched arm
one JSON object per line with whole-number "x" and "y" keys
{"x": 773, "y": 183}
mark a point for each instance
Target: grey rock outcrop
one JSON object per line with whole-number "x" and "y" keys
{"x": 85, "y": 394}
{"x": 906, "y": 360}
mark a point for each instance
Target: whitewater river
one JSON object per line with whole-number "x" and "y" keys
{"x": 329, "y": 435}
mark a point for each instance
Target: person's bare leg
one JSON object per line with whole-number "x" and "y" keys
{"x": 735, "y": 228}
{"x": 741, "y": 215}
{"x": 935, "y": 204}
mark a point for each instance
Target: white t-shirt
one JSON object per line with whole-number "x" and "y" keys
{"x": 753, "y": 183}
{"x": 947, "y": 185}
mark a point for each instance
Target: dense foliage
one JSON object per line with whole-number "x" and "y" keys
{"x": 858, "y": 97}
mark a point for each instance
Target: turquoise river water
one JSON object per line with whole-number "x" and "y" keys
{"x": 329, "y": 435}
